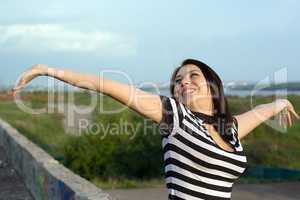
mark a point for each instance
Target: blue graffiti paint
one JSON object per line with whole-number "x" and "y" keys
{"x": 65, "y": 191}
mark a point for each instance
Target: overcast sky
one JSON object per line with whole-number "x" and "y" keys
{"x": 245, "y": 40}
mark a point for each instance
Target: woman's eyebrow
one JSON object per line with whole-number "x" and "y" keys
{"x": 188, "y": 72}
{"x": 195, "y": 70}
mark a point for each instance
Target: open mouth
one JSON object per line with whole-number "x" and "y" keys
{"x": 188, "y": 91}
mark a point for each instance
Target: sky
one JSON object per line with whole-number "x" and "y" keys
{"x": 144, "y": 41}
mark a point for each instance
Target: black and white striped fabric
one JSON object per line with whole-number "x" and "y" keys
{"x": 195, "y": 166}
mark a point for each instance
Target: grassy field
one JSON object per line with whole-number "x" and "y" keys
{"x": 129, "y": 160}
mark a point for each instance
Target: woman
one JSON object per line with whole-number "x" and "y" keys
{"x": 201, "y": 139}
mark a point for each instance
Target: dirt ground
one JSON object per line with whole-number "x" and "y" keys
{"x": 274, "y": 191}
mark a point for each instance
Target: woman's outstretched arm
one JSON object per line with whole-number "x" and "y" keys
{"x": 147, "y": 104}
{"x": 249, "y": 120}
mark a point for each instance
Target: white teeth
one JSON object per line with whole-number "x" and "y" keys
{"x": 188, "y": 91}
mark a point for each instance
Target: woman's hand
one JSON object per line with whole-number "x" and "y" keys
{"x": 286, "y": 112}
{"x": 33, "y": 72}
{"x": 251, "y": 119}
{"x": 147, "y": 104}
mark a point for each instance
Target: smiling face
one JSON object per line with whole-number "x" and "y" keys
{"x": 190, "y": 85}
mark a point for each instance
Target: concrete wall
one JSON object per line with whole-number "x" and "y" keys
{"x": 44, "y": 176}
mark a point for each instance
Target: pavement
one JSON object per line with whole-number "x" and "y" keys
{"x": 11, "y": 185}
{"x": 12, "y": 188}
{"x": 274, "y": 191}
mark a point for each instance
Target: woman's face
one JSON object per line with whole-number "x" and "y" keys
{"x": 190, "y": 85}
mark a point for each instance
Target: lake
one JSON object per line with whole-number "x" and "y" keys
{"x": 241, "y": 93}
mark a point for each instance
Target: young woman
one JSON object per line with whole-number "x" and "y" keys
{"x": 200, "y": 137}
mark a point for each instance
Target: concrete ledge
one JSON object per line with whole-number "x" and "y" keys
{"x": 44, "y": 176}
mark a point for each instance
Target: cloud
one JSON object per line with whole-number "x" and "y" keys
{"x": 57, "y": 38}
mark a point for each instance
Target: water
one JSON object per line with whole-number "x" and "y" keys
{"x": 240, "y": 93}
{"x": 243, "y": 93}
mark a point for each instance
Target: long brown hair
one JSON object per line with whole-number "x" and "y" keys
{"x": 222, "y": 115}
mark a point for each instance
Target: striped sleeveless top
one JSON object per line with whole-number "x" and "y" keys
{"x": 196, "y": 167}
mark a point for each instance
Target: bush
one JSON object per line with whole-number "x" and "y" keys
{"x": 116, "y": 154}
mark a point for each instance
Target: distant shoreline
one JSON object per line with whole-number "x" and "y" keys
{"x": 236, "y": 92}
{"x": 166, "y": 92}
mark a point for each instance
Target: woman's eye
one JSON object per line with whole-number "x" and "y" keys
{"x": 177, "y": 80}
{"x": 194, "y": 74}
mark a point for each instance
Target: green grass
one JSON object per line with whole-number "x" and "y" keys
{"x": 128, "y": 183}
{"x": 138, "y": 161}
{"x": 46, "y": 130}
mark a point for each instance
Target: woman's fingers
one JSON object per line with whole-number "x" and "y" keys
{"x": 279, "y": 119}
{"x": 25, "y": 78}
{"x": 17, "y": 88}
{"x": 292, "y": 110}
{"x": 290, "y": 122}
{"x": 20, "y": 85}
{"x": 285, "y": 116}
{"x": 294, "y": 114}
{"x": 284, "y": 120}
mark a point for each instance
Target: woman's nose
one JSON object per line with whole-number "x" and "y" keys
{"x": 186, "y": 80}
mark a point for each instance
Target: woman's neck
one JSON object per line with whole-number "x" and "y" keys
{"x": 203, "y": 106}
